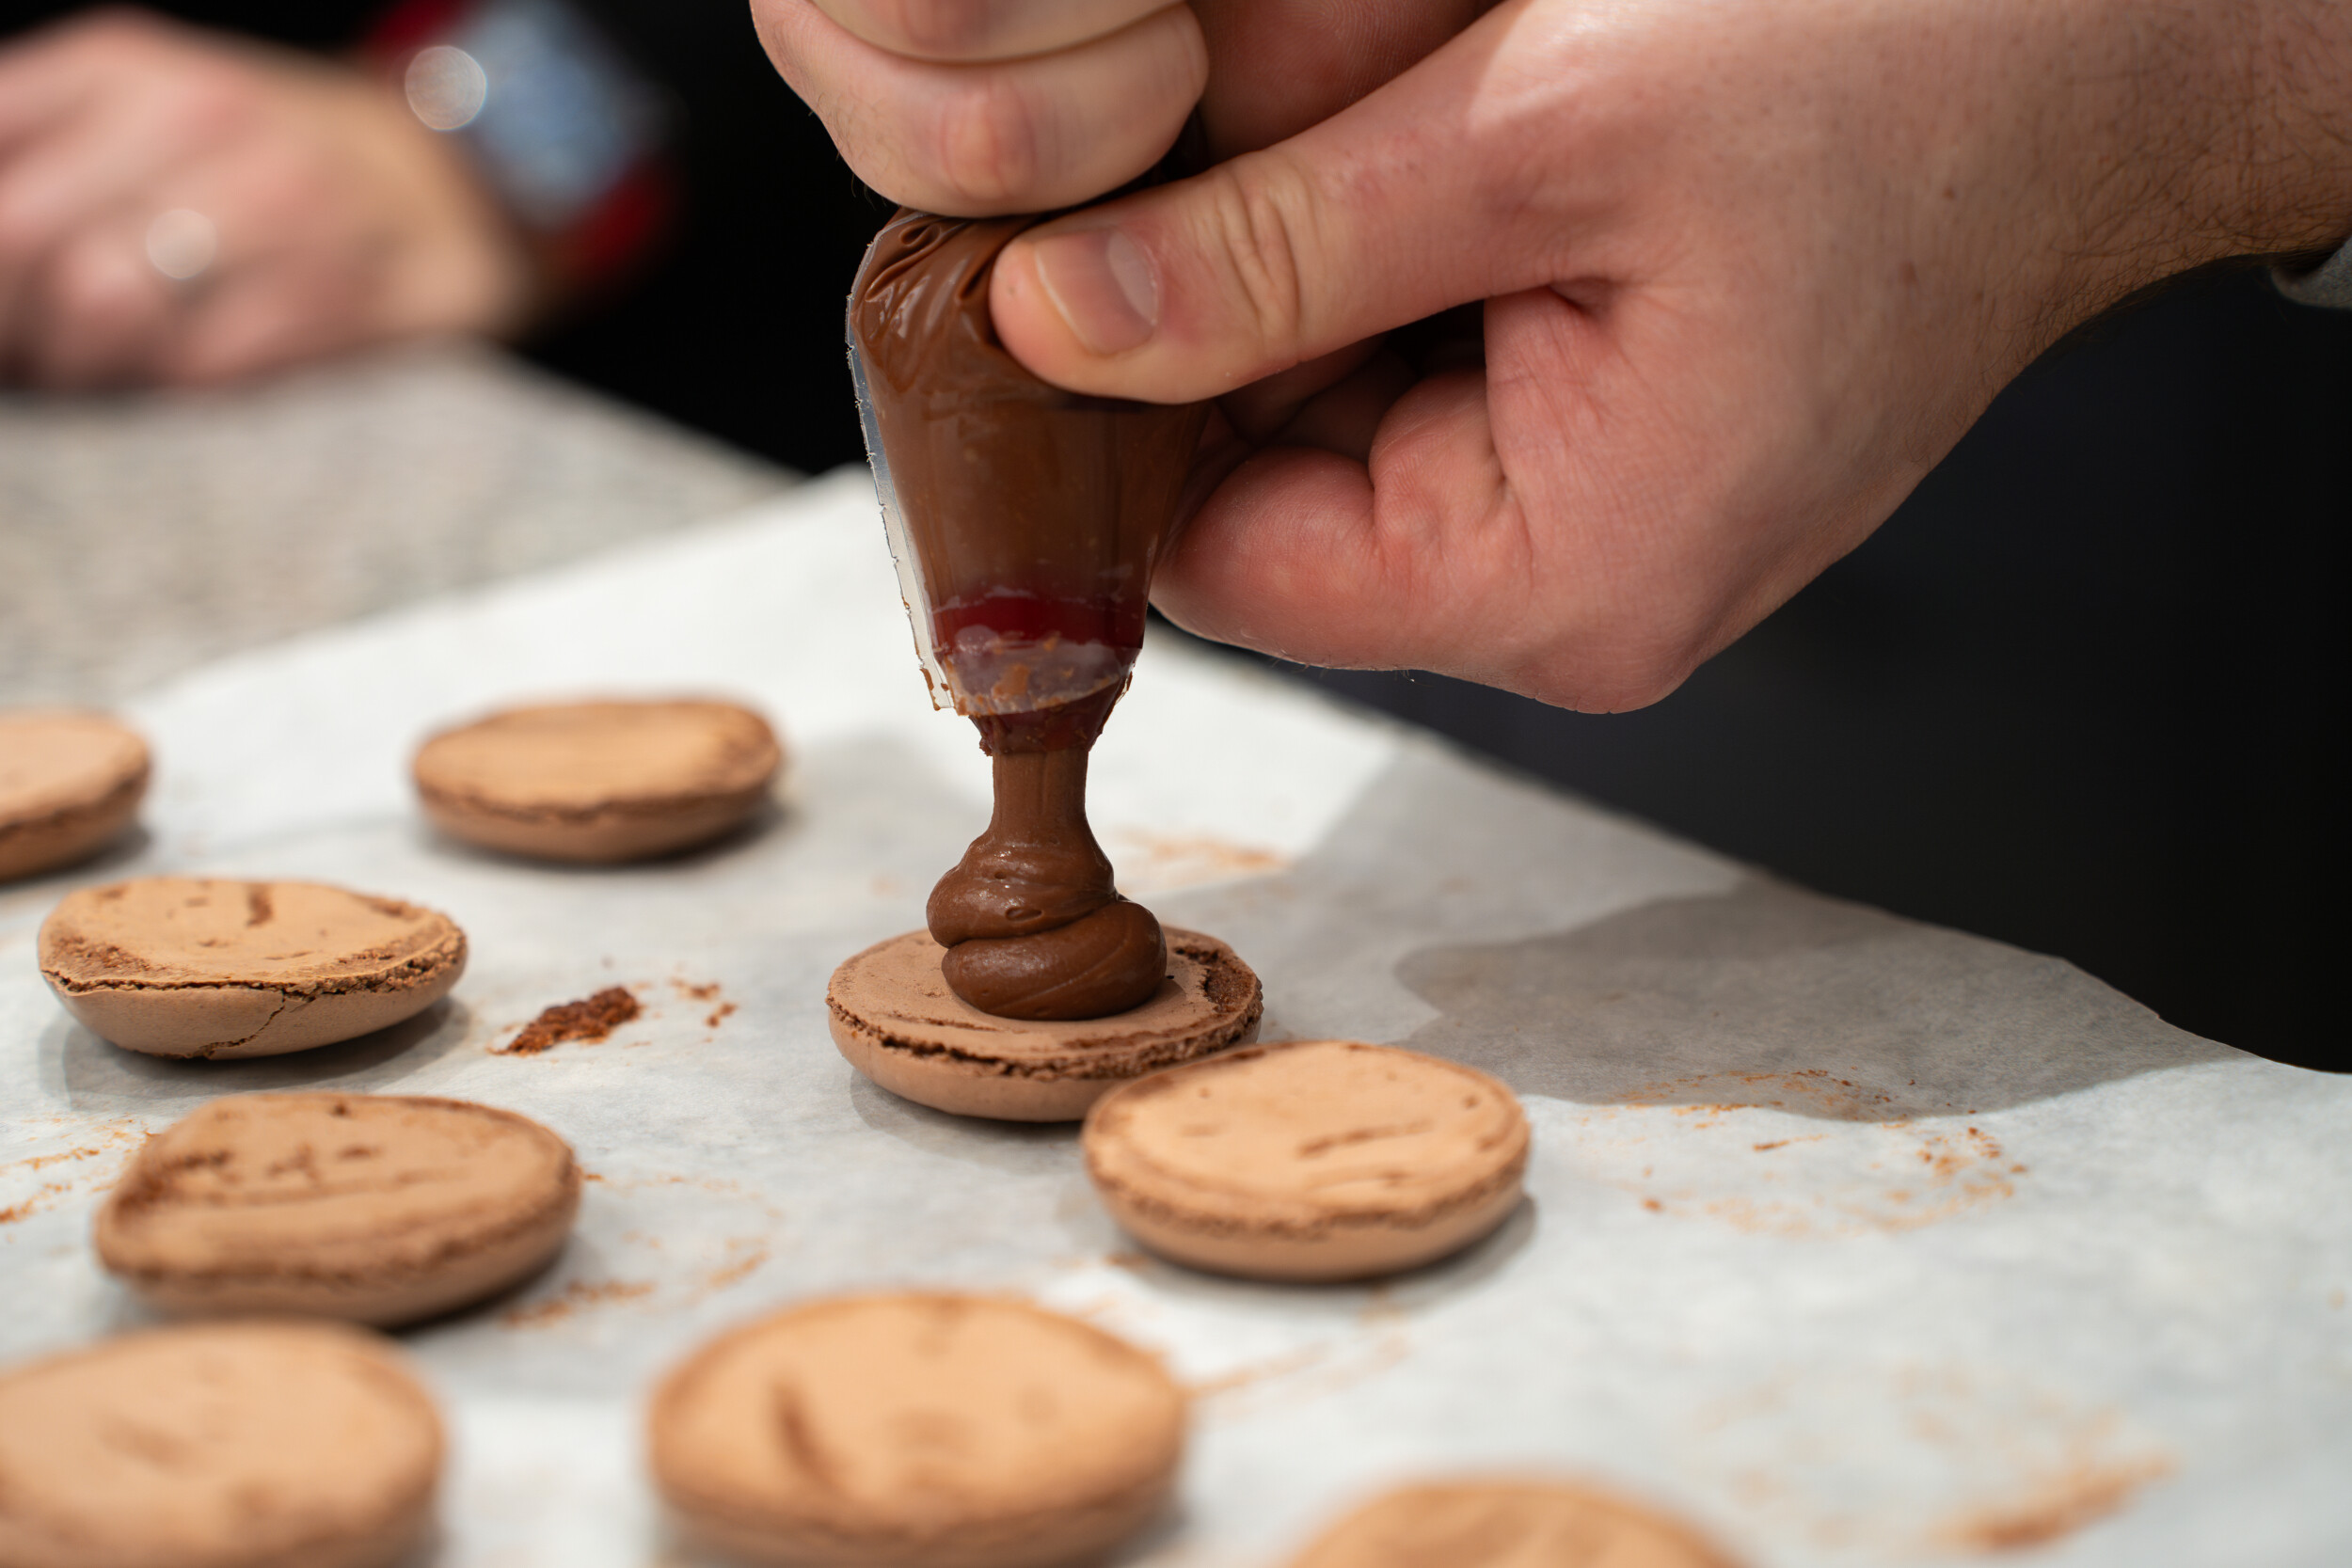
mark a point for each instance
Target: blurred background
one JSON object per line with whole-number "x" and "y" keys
{"x": 2080, "y": 694}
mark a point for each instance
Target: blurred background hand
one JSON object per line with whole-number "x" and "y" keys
{"x": 183, "y": 206}
{"x": 1028, "y": 105}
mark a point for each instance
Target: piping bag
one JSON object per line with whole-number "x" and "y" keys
{"x": 1026, "y": 522}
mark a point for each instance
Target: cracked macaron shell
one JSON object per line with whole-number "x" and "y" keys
{"x": 183, "y": 966}
{"x": 1315, "y": 1160}
{"x": 256, "y": 1445}
{"x": 598, "y": 781}
{"x": 897, "y": 1022}
{"x": 376, "y": 1209}
{"x": 70, "y": 781}
{"x": 919, "y": 1430}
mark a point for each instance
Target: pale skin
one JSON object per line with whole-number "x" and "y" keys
{"x": 340, "y": 220}
{"x": 1746, "y": 270}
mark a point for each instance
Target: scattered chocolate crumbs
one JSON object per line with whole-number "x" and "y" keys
{"x": 579, "y": 1294}
{"x": 2068, "y": 1502}
{"x": 591, "y": 1018}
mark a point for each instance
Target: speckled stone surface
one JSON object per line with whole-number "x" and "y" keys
{"x": 141, "y": 534}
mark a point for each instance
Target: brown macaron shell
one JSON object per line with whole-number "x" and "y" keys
{"x": 897, "y": 1022}
{"x": 1320, "y": 1160}
{"x": 257, "y": 1444}
{"x": 69, "y": 782}
{"x": 1506, "y": 1524}
{"x": 183, "y": 966}
{"x": 916, "y": 1431}
{"x": 598, "y": 783}
{"x": 374, "y": 1208}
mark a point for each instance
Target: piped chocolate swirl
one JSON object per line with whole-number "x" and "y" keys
{"x": 1032, "y": 925}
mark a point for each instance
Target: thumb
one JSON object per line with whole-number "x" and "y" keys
{"x": 1402, "y": 205}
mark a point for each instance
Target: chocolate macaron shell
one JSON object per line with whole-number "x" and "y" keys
{"x": 1320, "y": 1160}
{"x": 374, "y": 1209}
{"x": 915, "y": 1431}
{"x": 258, "y": 1444}
{"x": 70, "y": 783}
{"x": 897, "y": 1022}
{"x": 1507, "y": 1523}
{"x": 181, "y": 966}
{"x": 598, "y": 783}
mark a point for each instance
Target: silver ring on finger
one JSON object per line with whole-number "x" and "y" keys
{"x": 182, "y": 243}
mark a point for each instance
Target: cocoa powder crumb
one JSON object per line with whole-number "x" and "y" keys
{"x": 590, "y": 1018}
{"x": 2065, "y": 1503}
{"x": 577, "y": 1294}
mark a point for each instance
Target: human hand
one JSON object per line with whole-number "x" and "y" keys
{"x": 1745, "y": 272}
{"x": 332, "y": 217}
{"x": 979, "y": 107}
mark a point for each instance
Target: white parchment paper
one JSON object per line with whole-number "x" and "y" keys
{"x": 1854, "y": 1240}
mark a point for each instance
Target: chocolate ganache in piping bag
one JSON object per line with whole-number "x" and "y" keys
{"x": 1026, "y": 521}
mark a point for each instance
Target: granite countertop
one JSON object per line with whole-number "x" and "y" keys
{"x": 141, "y": 534}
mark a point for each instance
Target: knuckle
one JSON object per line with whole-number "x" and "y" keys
{"x": 209, "y": 100}
{"x": 282, "y": 175}
{"x": 985, "y": 144}
{"x": 95, "y": 296}
{"x": 1259, "y": 209}
{"x": 1179, "y": 63}
{"x": 934, "y": 29}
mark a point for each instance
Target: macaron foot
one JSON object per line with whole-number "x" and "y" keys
{"x": 897, "y": 1021}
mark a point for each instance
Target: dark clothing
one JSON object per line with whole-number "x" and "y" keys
{"x": 736, "y": 327}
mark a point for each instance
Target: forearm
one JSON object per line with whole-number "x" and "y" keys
{"x": 2229, "y": 136}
